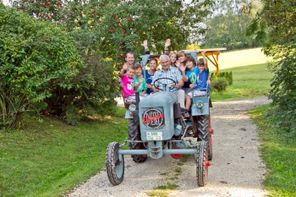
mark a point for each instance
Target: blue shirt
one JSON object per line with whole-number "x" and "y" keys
{"x": 203, "y": 79}
{"x": 192, "y": 75}
{"x": 149, "y": 79}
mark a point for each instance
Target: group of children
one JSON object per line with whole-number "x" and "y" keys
{"x": 193, "y": 74}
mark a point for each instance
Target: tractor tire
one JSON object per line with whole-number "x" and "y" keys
{"x": 202, "y": 164}
{"x": 114, "y": 164}
{"x": 210, "y": 148}
{"x": 203, "y": 127}
{"x": 139, "y": 158}
{"x": 202, "y": 123}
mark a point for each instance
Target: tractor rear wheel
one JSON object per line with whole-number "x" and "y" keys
{"x": 114, "y": 164}
{"x": 210, "y": 148}
{"x": 139, "y": 158}
{"x": 202, "y": 164}
{"x": 203, "y": 133}
{"x": 203, "y": 127}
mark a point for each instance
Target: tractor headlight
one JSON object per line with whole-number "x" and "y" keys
{"x": 200, "y": 104}
{"x": 132, "y": 107}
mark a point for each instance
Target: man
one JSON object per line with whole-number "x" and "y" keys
{"x": 129, "y": 60}
{"x": 174, "y": 74}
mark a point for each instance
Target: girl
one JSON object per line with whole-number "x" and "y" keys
{"x": 139, "y": 81}
{"x": 150, "y": 73}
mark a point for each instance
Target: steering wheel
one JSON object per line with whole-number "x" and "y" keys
{"x": 158, "y": 83}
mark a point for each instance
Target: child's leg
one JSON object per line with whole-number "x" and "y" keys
{"x": 188, "y": 102}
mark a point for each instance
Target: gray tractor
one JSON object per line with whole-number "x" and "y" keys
{"x": 164, "y": 131}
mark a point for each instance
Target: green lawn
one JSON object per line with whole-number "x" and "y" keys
{"x": 279, "y": 153}
{"x": 248, "y": 82}
{"x": 48, "y": 158}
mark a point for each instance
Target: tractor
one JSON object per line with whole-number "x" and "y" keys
{"x": 163, "y": 130}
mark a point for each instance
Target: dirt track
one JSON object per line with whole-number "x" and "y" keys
{"x": 236, "y": 170}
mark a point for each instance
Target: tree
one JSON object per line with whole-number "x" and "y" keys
{"x": 103, "y": 31}
{"x": 31, "y": 68}
{"x": 46, "y": 9}
{"x": 275, "y": 26}
{"x": 227, "y": 26}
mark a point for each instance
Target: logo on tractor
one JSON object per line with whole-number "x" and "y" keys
{"x": 153, "y": 118}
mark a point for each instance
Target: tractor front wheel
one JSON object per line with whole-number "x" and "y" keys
{"x": 114, "y": 164}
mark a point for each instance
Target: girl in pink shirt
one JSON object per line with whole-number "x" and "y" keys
{"x": 127, "y": 83}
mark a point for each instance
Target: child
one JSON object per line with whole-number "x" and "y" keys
{"x": 191, "y": 76}
{"x": 173, "y": 58}
{"x": 127, "y": 84}
{"x": 139, "y": 81}
{"x": 150, "y": 73}
{"x": 203, "y": 77}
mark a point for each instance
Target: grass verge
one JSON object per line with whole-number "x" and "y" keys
{"x": 278, "y": 152}
{"x": 48, "y": 157}
{"x": 248, "y": 82}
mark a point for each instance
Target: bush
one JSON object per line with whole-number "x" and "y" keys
{"x": 219, "y": 84}
{"x": 226, "y": 75}
{"x": 283, "y": 90}
{"x": 36, "y": 58}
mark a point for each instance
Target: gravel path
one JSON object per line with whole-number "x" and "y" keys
{"x": 236, "y": 170}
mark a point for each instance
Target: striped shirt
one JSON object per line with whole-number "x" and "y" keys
{"x": 172, "y": 72}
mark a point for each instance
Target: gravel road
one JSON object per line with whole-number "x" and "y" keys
{"x": 236, "y": 169}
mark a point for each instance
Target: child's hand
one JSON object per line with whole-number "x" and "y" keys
{"x": 125, "y": 66}
{"x": 145, "y": 44}
{"x": 192, "y": 85}
{"x": 182, "y": 69}
{"x": 167, "y": 43}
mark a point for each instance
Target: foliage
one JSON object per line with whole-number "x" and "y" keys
{"x": 31, "y": 68}
{"x": 123, "y": 25}
{"x": 219, "y": 84}
{"x": 48, "y": 157}
{"x": 228, "y": 24}
{"x": 228, "y": 31}
{"x": 278, "y": 151}
{"x": 227, "y": 75}
{"x": 46, "y": 9}
{"x": 103, "y": 31}
{"x": 275, "y": 25}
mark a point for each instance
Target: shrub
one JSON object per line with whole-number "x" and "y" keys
{"x": 36, "y": 58}
{"x": 219, "y": 84}
{"x": 95, "y": 85}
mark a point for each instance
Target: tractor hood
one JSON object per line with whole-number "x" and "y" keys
{"x": 156, "y": 114}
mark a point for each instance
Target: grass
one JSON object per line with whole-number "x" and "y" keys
{"x": 279, "y": 153}
{"x": 248, "y": 82}
{"x": 163, "y": 190}
{"x": 47, "y": 157}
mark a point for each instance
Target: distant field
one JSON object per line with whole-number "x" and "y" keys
{"x": 248, "y": 82}
{"x": 242, "y": 58}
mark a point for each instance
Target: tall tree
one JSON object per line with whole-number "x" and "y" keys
{"x": 228, "y": 24}
{"x": 275, "y": 26}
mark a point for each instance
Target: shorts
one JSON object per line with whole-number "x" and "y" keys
{"x": 197, "y": 93}
{"x": 200, "y": 93}
{"x": 130, "y": 99}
